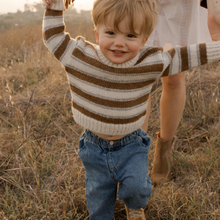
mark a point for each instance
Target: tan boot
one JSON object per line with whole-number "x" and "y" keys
{"x": 162, "y": 163}
{"x": 135, "y": 214}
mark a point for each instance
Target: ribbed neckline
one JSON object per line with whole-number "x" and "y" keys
{"x": 107, "y": 62}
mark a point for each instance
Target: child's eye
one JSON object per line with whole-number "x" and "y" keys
{"x": 131, "y": 36}
{"x": 110, "y": 32}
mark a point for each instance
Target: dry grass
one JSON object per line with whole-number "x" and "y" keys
{"x": 41, "y": 176}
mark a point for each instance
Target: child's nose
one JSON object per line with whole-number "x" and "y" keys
{"x": 119, "y": 41}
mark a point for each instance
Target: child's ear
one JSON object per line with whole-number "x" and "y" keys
{"x": 143, "y": 43}
{"x": 96, "y": 36}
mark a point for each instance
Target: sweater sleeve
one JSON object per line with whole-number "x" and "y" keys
{"x": 179, "y": 59}
{"x": 57, "y": 5}
{"x": 55, "y": 38}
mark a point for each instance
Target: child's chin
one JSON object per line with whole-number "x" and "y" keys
{"x": 117, "y": 61}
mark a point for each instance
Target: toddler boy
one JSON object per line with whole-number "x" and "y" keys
{"x": 110, "y": 83}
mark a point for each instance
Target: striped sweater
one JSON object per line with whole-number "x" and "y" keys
{"x": 108, "y": 98}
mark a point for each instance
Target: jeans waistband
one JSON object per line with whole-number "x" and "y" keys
{"x": 112, "y": 145}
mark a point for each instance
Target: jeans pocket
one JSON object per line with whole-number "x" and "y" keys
{"x": 144, "y": 141}
{"x": 82, "y": 145}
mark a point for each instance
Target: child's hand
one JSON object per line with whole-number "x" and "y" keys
{"x": 68, "y": 2}
{"x": 48, "y": 3}
{"x": 214, "y": 19}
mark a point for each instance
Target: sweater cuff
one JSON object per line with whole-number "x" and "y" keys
{"x": 213, "y": 48}
{"x": 57, "y": 5}
{"x": 204, "y": 3}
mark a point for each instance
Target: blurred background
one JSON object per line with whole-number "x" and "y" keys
{"x": 41, "y": 175}
{"x": 15, "y": 5}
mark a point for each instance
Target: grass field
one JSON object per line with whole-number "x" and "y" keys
{"x": 41, "y": 175}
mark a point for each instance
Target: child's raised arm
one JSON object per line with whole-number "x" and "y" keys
{"x": 55, "y": 38}
{"x": 214, "y": 19}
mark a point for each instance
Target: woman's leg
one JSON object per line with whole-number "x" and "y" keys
{"x": 171, "y": 109}
{"x": 172, "y": 104}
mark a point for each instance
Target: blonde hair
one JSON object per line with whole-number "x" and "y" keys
{"x": 141, "y": 12}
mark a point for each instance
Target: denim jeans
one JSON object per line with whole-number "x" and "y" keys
{"x": 108, "y": 163}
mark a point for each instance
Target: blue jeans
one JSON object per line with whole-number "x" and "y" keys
{"x": 108, "y": 163}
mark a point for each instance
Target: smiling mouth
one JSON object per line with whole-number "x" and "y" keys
{"x": 118, "y": 51}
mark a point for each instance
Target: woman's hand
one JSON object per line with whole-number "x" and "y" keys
{"x": 48, "y": 3}
{"x": 214, "y": 19}
{"x": 68, "y": 2}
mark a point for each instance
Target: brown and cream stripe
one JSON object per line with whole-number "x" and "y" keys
{"x": 108, "y": 98}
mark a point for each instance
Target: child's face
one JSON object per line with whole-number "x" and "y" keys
{"x": 119, "y": 47}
